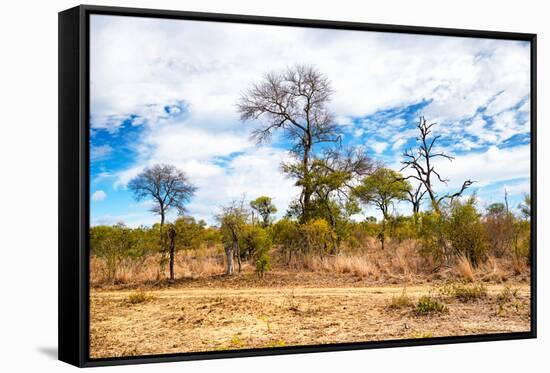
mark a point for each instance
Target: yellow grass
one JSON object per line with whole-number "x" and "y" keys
{"x": 210, "y": 318}
{"x": 399, "y": 263}
{"x": 465, "y": 269}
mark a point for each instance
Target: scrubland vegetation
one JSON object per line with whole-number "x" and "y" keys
{"x": 482, "y": 250}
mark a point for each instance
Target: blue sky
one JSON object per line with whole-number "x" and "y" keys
{"x": 165, "y": 91}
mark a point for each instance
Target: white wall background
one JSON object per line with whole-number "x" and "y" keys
{"x": 28, "y": 184}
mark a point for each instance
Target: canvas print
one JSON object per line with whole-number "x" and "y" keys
{"x": 259, "y": 187}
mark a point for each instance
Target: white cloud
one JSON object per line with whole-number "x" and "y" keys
{"x": 397, "y": 122}
{"x": 490, "y": 166}
{"x": 134, "y": 219}
{"x": 137, "y": 61}
{"x": 99, "y": 195}
{"x": 520, "y": 188}
{"x": 100, "y": 152}
{"x": 378, "y": 146}
{"x": 398, "y": 144}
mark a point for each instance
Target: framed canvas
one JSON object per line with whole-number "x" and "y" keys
{"x": 235, "y": 186}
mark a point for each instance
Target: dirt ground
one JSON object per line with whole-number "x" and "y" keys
{"x": 187, "y": 318}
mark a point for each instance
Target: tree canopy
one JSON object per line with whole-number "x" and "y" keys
{"x": 382, "y": 188}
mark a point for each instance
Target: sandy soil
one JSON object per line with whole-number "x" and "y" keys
{"x": 189, "y": 319}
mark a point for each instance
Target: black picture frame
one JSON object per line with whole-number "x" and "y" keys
{"x": 74, "y": 198}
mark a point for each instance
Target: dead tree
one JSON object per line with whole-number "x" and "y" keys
{"x": 415, "y": 198}
{"x": 421, "y": 162}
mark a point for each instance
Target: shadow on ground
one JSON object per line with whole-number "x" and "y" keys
{"x": 50, "y": 352}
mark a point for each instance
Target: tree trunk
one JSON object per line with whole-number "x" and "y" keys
{"x": 382, "y": 235}
{"x": 306, "y": 187}
{"x": 172, "y": 236}
{"x": 162, "y": 244}
{"x": 229, "y": 257}
{"x": 238, "y": 253}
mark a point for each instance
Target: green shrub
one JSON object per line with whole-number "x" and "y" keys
{"x": 422, "y": 335}
{"x": 507, "y": 295}
{"x": 402, "y": 228}
{"x": 254, "y": 241}
{"x": 428, "y": 305}
{"x": 317, "y": 236}
{"x": 430, "y": 233}
{"x": 286, "y": 233}
{"x": 237, "y": 342}
{"x": 121, "y": 246}
{"x": 466, "y": 232}
{"x": 263, "y": 264}
{"x": 274, "y": 344}
{"x": 190, "y": 234}
{"x": 464, "y": 292}
{"x": 522, "y": 239}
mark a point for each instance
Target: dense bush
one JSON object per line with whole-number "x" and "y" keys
{"x": 360, "y": 231}
{"x": 286, "y": 233}
{"x": 317, "y": 237}
{"x": 431, "y": 235}
{"x": 402, "y": 228}
{"x": 466, "y": 232}
{"x": 255, "y": 240}
{"x": 522, "y": 239}
{"x": 190, "y": 234}
{"x": 263, "y": 263}
{"x": 499, "y": 223}
{"x": 121, "y": 246}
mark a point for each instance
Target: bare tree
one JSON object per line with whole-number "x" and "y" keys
{"x": 169, "y": 188}
{"x": 422, "y": 163}
{"x": 294, "y": 101}
{"x": 415, "y": 198}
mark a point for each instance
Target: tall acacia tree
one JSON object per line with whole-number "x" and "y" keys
{"x": 168, "y": 188}
{"x": 381, "y": 189}
{"x": 334, "y": 176}
{"x": 294, "y": 101}
{"x": 265, "y": 208}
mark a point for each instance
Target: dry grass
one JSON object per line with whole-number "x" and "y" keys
{"x": 465, "y": 269}
{"x": 210, "y": 318}
{"x": 360, "y": 266}
{"x": 187, "y": 264}
{"x": 464, "y": 292}
{"x": 139, "y": 297}
{"x": 491, "y": 271}
{"x": 399, "y": 263}
{"x": 400, "y": 301}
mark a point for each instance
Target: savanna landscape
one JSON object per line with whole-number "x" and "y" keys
{"x": 334, "y": 236}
